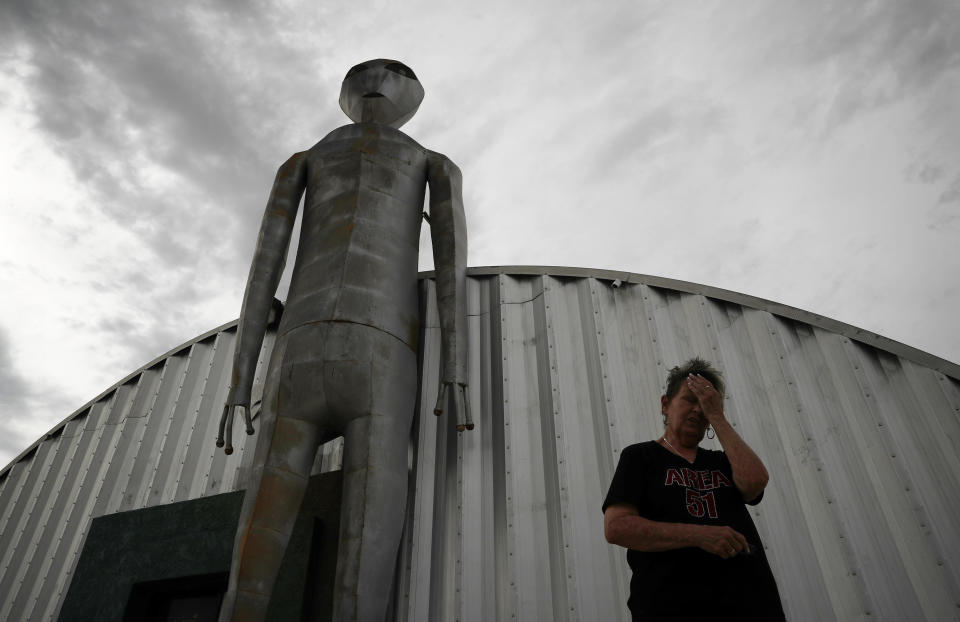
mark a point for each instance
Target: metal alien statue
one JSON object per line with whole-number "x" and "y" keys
{"x": 345, "y": 358}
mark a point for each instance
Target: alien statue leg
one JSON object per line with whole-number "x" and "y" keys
{"x": 288, "y": 437}
{"x": 374, "y": 475}
{"x": 325, "y": 379}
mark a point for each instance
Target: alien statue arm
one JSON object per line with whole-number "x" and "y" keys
{"x": 265, "y": 271}
{"x": 448, "y": 230}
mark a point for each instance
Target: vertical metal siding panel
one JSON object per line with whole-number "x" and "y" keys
{"x": 218, "y": 478}
{"x": 505, "y": 308}
{"x": 601, "y": 587}
{"x": 527, "y": 499}
{"x": 200, "y": 442}
{"x": 509, "y": 597}
{"x": 58, "y": 566}
{"x": 653, "y": 386}
{"x": 928, "y": 416}
{"x": 851, "y": 462}
{"x": 50, "y": 522}
{"x": 22, "y": 549}
{"x": 502, "y": 489}
{"x": 814, "y": 500}
{"x": 549, "y": 307}
{"x": 419, "y": 604}
{"x": 932, "y": 414}
{"x": 25, "y": 483}
{"x": 177, "y": 429}
{"x": 582, "y": 436}
{"x": 632, "y": 365}
{"x": 476, "y": 555}
{"x": 134, "y": 427}
{"x": 664, "y": 305}
{"x": 4, "y": 479}
{"x": 456, "y": 541}
{"x": 19, "y": 487}
{"x": 137, "y": 489}
{"x": 121, "y": 441}
{"x": 644, "y": 366}
{"x": 789, "y": 547}
{"x": 20, "y": 476}
{"x": 910, "y": 457}
{"x": 491, "y": 404}
{"x": 445, "y": 517}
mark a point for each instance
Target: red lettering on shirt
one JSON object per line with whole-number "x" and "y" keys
{"x": 673, "y": 477}
{"x": 706, "y": 482}
{"x": 690, "y": 479}
{"x": 719, "y": 479}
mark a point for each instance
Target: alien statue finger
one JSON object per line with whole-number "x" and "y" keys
{"x": 345, "y": 357}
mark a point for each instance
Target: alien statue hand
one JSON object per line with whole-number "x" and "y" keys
{"x": 226, "y": 422}
{"x": 461, "y": 404}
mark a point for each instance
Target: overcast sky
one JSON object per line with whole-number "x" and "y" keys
{"x": 806, "y": 152}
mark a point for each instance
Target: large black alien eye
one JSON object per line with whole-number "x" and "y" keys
{"x": 355, "y": 69}
{"x": 402, "y": 69}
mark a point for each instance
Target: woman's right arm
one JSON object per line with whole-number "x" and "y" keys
{"x": 623, "y": 526}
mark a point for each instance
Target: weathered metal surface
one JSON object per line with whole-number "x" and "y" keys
{"x": 344, "y": 363}
{"x": 862, "y": 444}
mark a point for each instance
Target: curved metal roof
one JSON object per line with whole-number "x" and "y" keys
{"x": 861, "y": 436}
{"x": 847, "y": 330}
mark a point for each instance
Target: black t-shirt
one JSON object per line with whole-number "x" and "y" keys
{"x": 690, "y": 583}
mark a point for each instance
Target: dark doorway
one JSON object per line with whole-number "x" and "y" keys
{"x": 183, "y": 599}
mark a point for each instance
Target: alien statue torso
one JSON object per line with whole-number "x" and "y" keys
{"x": 360, "y": 236}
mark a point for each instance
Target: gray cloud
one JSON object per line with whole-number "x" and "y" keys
{"x": 14, "y": 390}
{"x": 871, "y": 54}
{"x": 124, "y": 111}
{"x": 20, "y": 399}
{"x": 946, "y": 213}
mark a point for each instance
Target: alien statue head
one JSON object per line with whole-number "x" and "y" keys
{"x": 381, "y": 91}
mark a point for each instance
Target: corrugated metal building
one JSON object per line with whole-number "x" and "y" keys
{"x": 860, "y": 435}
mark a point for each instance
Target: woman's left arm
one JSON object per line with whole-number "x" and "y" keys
{"x": 749, "y": 474}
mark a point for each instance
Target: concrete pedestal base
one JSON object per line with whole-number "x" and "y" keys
{"x": 158, "y": 562}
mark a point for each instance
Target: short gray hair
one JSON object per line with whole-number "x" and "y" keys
{"x": 696, "y": 365}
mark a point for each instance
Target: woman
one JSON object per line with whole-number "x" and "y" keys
{"x": 680, "y": 511}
